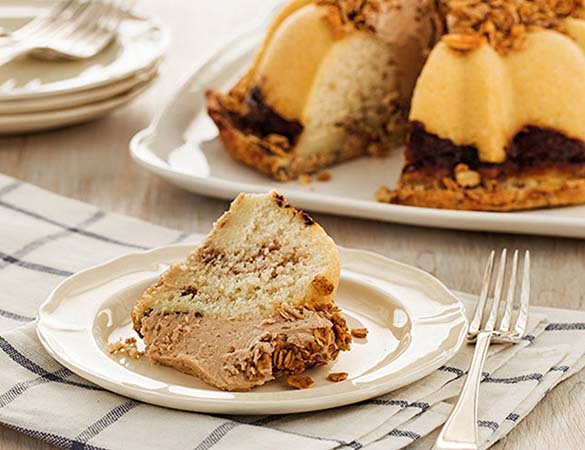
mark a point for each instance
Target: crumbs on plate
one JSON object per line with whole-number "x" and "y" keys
{"x": 336, "y": 377}
{"x": 300, "y": 382}
{"x": 127, "y": 347}
{"x": 359, "y": 332}
{"x": 305, "y": 179}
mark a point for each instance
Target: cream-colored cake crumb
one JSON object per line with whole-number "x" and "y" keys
{"x": 359, "y": 332}
{"x": 127, "y": 347}
{"x": 305, "y": 180}
{"x": 300, "y": 382}
{"x": 323, "y": 176}
{"x": 336, "y": 377}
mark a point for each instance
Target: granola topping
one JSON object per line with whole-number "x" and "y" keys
{"x": 503, "y": 23}
{"x": 300, "y": 382}
{"x": 336, "y": 377}
{"x": 359, "y": 332}
{"x": 352, "y": 13}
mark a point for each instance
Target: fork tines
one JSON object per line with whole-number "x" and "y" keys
{"x": 498, "y": 322}
{"x": 74, "y": 29}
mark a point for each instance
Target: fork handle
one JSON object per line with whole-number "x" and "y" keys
{"x": 460, "y": 430}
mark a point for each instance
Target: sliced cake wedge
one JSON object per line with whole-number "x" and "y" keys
{"x": 331, "y": 81}
{"x": 252, "y": 303}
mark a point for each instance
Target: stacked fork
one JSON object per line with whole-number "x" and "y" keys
{"x": 460, "y": 430}
{"x": 74, "y": 29}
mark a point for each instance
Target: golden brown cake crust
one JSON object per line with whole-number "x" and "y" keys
{"x": 247, "y": 148}
{"x": 549, "y": 188}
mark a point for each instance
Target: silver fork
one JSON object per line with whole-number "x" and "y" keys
{"x": 460, "y": 430}
{"x": 75, "y": 29}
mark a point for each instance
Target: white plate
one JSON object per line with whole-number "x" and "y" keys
{"x": 77, "y": 98}
{"x": 26, "y": 123}
{"x": 415, "y": 325}
{"x": 139, "y": 44}
{"x": 181, "y": 145}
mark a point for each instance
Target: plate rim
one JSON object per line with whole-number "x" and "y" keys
{"x": 53, "y": 119}
{"x": 225, "y": 405}
{"x": 117, "y": 99}
{"x": 74, "y": 99}
{"x": 520, "y": 222}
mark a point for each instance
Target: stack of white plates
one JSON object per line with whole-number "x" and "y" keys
{"x": 39, "y": 95}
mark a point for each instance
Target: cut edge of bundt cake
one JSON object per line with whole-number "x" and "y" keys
{"x": 253, "y": 302}
{"x": 331, "y": 82}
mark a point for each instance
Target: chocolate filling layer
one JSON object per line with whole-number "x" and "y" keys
{"x": 261, "y": 120}
{"x": 531, "y": 147}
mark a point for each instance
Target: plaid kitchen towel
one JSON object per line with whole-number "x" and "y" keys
{"x": 44, "y": 238}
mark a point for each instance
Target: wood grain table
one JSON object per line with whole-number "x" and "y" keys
{"x": 91, "y": 163}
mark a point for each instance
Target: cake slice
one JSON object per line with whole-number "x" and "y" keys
{"x": 252, "y": 303}
{"x": 332, "y": 81}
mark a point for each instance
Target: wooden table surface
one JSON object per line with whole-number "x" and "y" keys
{"x": 91, "y": 163}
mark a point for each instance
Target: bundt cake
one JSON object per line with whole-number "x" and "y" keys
{"x": 253, "y": 302}
{"x": 331, "y": 81}
{"x": 488, "y": 94}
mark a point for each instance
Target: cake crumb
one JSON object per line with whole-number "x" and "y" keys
{"x": 336, "y": 377}
{"x": 359, "y": 332}
{"x": 300, "y": 382}
{"x": 305, "y": 179}
{"x": 323, "y": 176}
{"x": 127, "y": 347}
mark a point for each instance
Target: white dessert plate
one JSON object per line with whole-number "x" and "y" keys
{"x": 181, "y": 145}
{"x": 77, "y": 98}
{"x": 415, "y": 325}
{"x": 139, "y": 44}
{"x": 45, "y": 120}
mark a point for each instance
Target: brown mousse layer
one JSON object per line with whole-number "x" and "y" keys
{"x": 259, "y": 119}
{"x": 532, "y": 147}
{"x": 236, "y": 355}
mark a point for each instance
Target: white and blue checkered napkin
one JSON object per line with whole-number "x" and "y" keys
{"x": 45, "y": 237}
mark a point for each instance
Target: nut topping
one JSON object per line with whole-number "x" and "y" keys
{"x": 300, "y": 382}
{"x": 503, "y": 23}
{"x": 466, "y": 177}
{"x": 359, "y": 332}
{"x": 337, "y": 376}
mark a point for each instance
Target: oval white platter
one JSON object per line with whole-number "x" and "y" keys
{"x": 415, "y": 325}
{"x": 181, "y": 145}
{"x": 140, "y": 43}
